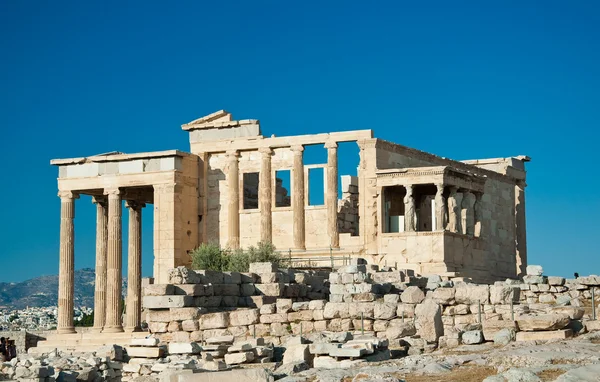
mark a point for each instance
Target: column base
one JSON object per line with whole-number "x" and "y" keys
{"x": 112, "y": 329}
{"x": 133, "y": 329}
{"x": 67, "y": 330}
{"x": 96, "y": 329}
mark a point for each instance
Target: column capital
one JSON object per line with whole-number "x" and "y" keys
{"x": 112, "y": 192}
{"x": 266, "y": 151}
{"x": 68, "y": 194}
{"x": 97, "y": 199}
{"x": 297, "y": 149}
{"x": 232, "y": 154}
{"x": 331, "y": 145}
{"x": 134, "y": 205}
{"x": 409, "y": 189}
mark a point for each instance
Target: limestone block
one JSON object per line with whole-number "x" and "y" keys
{"x": 258, "y": 301}
{"x": 320, "y": 325}
{"x": 544, "y": 322}
{"x": 152, "y": 341}
{"x": 592, "y": 326}
{"x": 429, "y": 320}
{"x": 284, "y": 305}
{"x": 237, "y": 358}
{"x": 174, "y": 326}
{"x": 546, "y": 298}
{"x": 402, "y": 330}
{"x": 322, "y": 348}
{"x": 471, "y": 294}
{"x": 491, "y": 327}
{"x": 364, "y": 324}
{"x": 267, "y": 309}
{"x": 574, "y": 313}
{"x": 316, "y": 304}
{"x": 263, "y": 267}
{"x": 444, "y": 296}
{"x": 184, "y": 348}
{"x": 279, "y": 329}
{"x": 182, "y": 275}
{"x": 335, "y": 278}
{"x": 194, "y": 290}
{"x": 247, "y": 290}
{"x": 533, "y": 279}
{"x": 556, "y": 281}
{"x": 180, "y": 337}
{"x": 296, "y": 353}
{"x": 455, "y": 310}
{"x": 472, "y": 337}
{"x": 534, "y": 270}
{"x": 339, "y": 325}
{"x": 216, "y": 320}
{"x": 353, "y": 269}
{"x": 244, "y": 317}
{"x": 318, "y": 314}
{"x": 391, "y": 298}
{"x": 405, "y": 310}
{"x": 336, "y": 298}
{"x": 159, "y": 290}
{"x": 303, "y": 315}
{"x": 302, "y": 327}
{"x": 217, "y": 340}
{"x": 348, "y": 352}
{"x": 275, "y": 289}
{"x": 504, "y": 336}
{"x": 326, "y": 362}
{"x": 591, "y": 280}
{"x": 158, "y": 327}
{"x": 189, "y": 325}
{"x": 367, "y": 309}
{"x": 364, "y": 297}
{"x": 337, "y": 288}
{"x": 393, "y": 277}
{"x": 545, "y": 335}
{"x": 162, "y": 302}
{"x": 240, "y": 347}
{"x": 145, "y": 352}
{"x": 158, "y": 315}
{"x": 226, "y": 289}
{"x": 543, "y": 287}
{"x": 273, "y": 318}
{"x": 232, "y": 278}
{"x": 347, "y": 278}
{"x": 209, "y": 277}
{"x": 295, "y": 290}
{"x": 335, "y": 310}
{"x": 384, "y": 311}
{"x": 503, "y": 294}
{"x": 182, "y": 314}
{"x": 272, "y": 277}
{"x": 412, "y": 295}
{"x": 248, "y": 278}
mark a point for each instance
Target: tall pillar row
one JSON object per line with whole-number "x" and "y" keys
{"x": 66, "y": 262}
{"x": 332, "y": 194}
{"x": 233, "y": 220}
{"x": 441, "y": 215}
{"x": 101, "y": 247}
{"x": 114, "y": 264}
{"x": 265, "y": 195}
{"x": 134, "y": 267}
{"x": 298, "y": 198}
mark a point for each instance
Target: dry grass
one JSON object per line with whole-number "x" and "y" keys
{"x": 459, "y": 374}
{"x": 550, "y": 374}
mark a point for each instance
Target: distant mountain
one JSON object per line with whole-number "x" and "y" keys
{"x": 43, "y": 291}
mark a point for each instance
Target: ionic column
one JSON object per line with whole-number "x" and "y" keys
{"x": 101, "y": 245}
{"x": 134, "y": 267}
{"x": 67, "y": 262}
{"x": 467, "y": 205}
{"x": 441, "y": 215}
{"x": 114, "y": 264}
{"x": 265, "y": 196}
{"x": 332, "y": 194}
{"x": 233, "y": 221}
{"x": 409, "y": 210}
{"x": 477, "y": 207}
{"x": 454, "y": 216}
{"x": 298, "y": 198}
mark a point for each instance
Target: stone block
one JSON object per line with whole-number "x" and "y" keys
{"x": 273, "y": 318}
{"x": 163, "y": 302}
{"x": 339, "y": 325}
{"x": 244, "y": 317}
{"x": 556, "y": 281}
{"x": 180, "y": 337}
{"x": 247, "y": 290}
{"x": 444, "y": 296}
{"x": 237, "y": 358}
{"x": 275, "y": 289}
{"x": 248, "y": 278}
{"x": 189, "y": 325}
{"x": 400, "y": 330}
{"x": 232, "y": 278}
{"x": 214, "y": 320}
{"x": 230, "y": 301}
{"x": 226, "y": 289}
{"x": 491, "y": 327}
{"x": 405, "y": 310}
{"x": 534, "y": 270}
{"x": 412, "y": 295}
{"x": 429, "y": 320}
{"x": 263, "y": 267}
{"x": 158, "y": 327}
{"x": 182, "y": 314}
{"x": 209, "y": 277}
{"x": 592, "y": 326}
{"x": 145, "y": 352}
{"x": 391, "y": 298}
{"x": 325, "y": 362}
{"x": 279, "y": 329}
{"x": 296, "y": 353}
{"x": 191, "y": 290}
{"x": 158, "y": 315}
{"x": 184, "y": 348}
{"x": 504, "y": 336}
{"x": 533, "y": 279}
{"x": 544, "y": 322}
{"x": 472, "y": 337}
{"x": 220, "y": 340}
{"x": 348, "y": 352}
{"x": 471, "y": 294}
{"x": 159, "y": 290}
{"x": 316, "y": 304}
{"x": 258, "y": 301}
{"x": 182, "y": 275}
{"x": 335, "y": 310}
{"x": 284, "y": 305}
{"x": 545, "y": 335}
{"x": 574, "y": 313}
{"x": 151, "y": 341}
{"x": 174, "y": 326}
{"x": 384, "y": 311}
{"x": 268, "y": 309}
{"x": 364, "y": 297}
{"x": 322, "y": 348}
{"x": 356, "y": 309}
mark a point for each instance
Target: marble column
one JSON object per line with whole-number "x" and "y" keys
{"x": 233, "y": 217}
{"x": 298, "y": 198}
{"x": 265, "y": 196}
{"x": 101, "y": 244}
{"x": 441, "y": 214}
{"x": 134, "y": 267}
{"x": 332, "y": 194}
{"x": 467, "y": 206}
{"x": 67, "y": 263}
{"x": 114, "y": 264}
{"x": 454, "y": 214}
{"x": 477, "y": 207}
{"x": 409, "y": 210}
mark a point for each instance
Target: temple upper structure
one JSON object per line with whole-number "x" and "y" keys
{"x": 404, "y": 208}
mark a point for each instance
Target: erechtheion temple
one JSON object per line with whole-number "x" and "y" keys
{"x": 405, "y": 207}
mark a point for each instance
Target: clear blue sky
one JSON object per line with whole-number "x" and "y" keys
{"x": 460, "y": 79}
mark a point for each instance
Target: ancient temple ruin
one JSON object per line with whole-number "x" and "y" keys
{"x": 405, "y": 207}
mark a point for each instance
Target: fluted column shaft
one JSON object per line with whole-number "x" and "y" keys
{"x": 265, "y": 196}
{"x": 134, "y": 267}
{"x": 332, "y": 194}
{"x": 298, "y": 198}
{"x": 67, "y": 262}
{"x": 441, "y": 215}
{"x": 114, "y": 265}
{"x": 233, "y": 221}
{"x": 101, "y": 245}
{"x": 409, "y": 210}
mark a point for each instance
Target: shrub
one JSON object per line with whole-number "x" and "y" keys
{"x": 211, "y": 256}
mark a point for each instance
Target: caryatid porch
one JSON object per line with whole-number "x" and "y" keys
{"x": 168, "y": 180}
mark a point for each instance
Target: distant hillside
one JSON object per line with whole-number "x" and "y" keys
{"x": 43, "y": 291}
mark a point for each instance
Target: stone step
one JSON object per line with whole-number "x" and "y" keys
{"x": 69, "y": 348}
{"x": 545, "y": 335}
